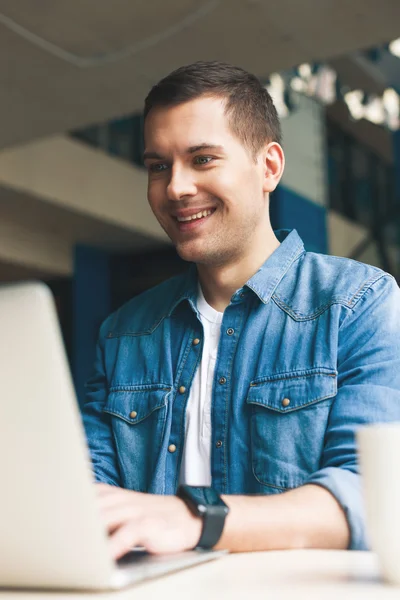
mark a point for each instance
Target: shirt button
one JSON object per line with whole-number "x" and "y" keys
{"x": 182, "y": 389}
{"x": 133, "y": 414}
{"x": 242, "y": 295}
{"x": 285, "y": 402}
{"x": 230, "y": 331}
{"x": 218, "y": 444}
{"x": 222, "y": 380}
{"x": 196, "y": 341}
{"x": 171, "y": 448}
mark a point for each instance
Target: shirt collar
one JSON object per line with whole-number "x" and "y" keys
{"x": 187, "y": 289}
{"x": 263, "y": 283}
{"x": 266, "y": 280}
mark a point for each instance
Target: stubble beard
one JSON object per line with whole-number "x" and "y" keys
{"x": 214, "y": 253}
{"x": 218, "y": 250}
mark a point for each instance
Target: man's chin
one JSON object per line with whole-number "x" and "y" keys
{"x": 188, "y": 255}
{"x": 192, "y": 254}
{"x": 199, "y": 256}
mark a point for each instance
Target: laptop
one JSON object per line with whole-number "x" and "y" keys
{"x": 51, "y": 533}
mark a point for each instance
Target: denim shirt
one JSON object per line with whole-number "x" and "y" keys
{"x": 309, "y": 351}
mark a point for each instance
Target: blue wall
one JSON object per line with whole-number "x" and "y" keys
{"x": 289, "y": 210}
{"x": 91, "y": 304}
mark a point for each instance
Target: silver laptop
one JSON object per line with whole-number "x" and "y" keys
{"x": 51, "y": 534}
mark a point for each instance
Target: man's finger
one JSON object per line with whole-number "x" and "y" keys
{"x": 122, "y": 540}
{"x": 115, "y": 516}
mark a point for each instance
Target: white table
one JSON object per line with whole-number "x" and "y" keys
{"x": 285, "y": 575}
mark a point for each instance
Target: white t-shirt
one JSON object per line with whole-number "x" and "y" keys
{"x": 196, "y": 460}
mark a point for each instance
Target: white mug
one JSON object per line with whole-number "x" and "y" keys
{"x": 379, "y": 454}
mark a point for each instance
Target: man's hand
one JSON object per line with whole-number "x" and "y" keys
{"x": 162, "y": 524}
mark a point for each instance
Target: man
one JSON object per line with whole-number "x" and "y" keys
{"x": 250, "y": 373}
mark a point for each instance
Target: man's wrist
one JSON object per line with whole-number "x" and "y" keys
{"x": 193, "y": 525}
{"x": 207, "y": 504}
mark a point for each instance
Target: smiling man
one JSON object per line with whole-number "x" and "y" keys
{"x": 224, "y": 404}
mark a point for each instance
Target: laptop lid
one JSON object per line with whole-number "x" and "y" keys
{"x": 50, "y": 529}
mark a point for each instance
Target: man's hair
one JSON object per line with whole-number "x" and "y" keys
{"x": 249, "y": 108}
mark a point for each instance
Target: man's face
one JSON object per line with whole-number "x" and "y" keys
{"x": 204, "y": 186}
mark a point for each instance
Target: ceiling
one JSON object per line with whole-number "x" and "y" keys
{"x": 68, "y": 64}
{"x": 12, "y": 272}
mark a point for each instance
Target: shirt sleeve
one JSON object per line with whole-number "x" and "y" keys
{"x": 98, "y": 424}
{"x": 368, "y": 392}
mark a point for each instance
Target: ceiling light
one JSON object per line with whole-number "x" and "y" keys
{"x": 326, "y": 85}
{"x": 375, "y": 111}
{"x": 298, "y": 85}
{"x": 394, "y": 47}
{"x": 276, "y": 89}
{"x": 305, "y": 71}
{"x": 353, "y": 101}
{"x": 391, "y": 103}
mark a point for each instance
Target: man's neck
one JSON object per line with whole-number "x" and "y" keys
{"x": 220, "y": 283}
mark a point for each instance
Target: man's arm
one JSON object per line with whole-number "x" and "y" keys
{"x": 306, "y": 517}
{"x": 368, "y": 368}
{"x": 328, "y": 511}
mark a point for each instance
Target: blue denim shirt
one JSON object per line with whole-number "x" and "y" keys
{"x": 314, "y": 354}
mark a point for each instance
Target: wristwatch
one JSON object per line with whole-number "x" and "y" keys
{"x": 206, "y": 503}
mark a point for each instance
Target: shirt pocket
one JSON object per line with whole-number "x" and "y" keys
{"x": 289, "y": 417}
{"x": 138, "y": 417}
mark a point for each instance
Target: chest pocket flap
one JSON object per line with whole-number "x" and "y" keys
{"x": 289, "y": 416}
{"x": 287, "y": 393}
{"x": 136, "y": 404}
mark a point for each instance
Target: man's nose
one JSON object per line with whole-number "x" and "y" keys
{"x": 181, "y": 184}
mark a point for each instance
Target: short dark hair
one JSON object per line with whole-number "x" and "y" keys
{"x": 249, "y": 107}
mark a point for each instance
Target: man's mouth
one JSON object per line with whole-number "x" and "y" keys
{"x": 195, "y": 220}
{"x": 199, "y": 215}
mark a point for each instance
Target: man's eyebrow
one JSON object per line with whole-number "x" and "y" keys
{"x": 205, "y": 146}
{"x": 151, "y": 155}
{"x": 190, "y": 150}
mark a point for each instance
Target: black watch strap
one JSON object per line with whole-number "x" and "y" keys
{"x": 213, "y": 526}
{"x": 206, "y": 503}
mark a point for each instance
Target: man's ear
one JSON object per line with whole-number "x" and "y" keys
{"x": 274, "y": 162}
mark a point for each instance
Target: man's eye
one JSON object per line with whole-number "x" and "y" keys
{"x": 202, "y": 160}
{"x": 157, "y": 167}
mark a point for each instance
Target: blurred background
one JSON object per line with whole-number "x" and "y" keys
{"x": 73, "y": 77}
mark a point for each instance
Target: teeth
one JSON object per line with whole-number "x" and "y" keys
{"x": 199, "y": 215}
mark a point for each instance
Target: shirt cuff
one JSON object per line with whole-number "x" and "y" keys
{"x": 345, "y": 486}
